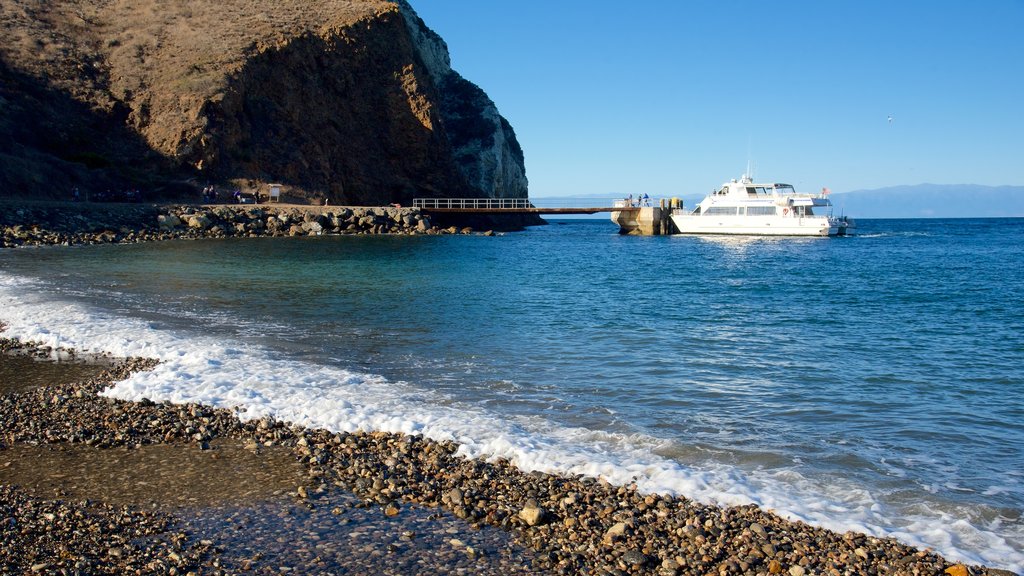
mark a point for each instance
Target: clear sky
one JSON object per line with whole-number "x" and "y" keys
{"x": 672, "y": 97}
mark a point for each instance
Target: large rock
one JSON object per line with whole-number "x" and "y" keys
{"x": 355, "y": 102}
{"x": 199, "y": 221}
{"x": 312, "y": 227}
{"x": 168, "y": 221}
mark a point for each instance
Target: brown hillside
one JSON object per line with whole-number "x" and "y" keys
{"x": 335, "y": 98}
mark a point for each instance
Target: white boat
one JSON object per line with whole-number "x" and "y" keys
{"x": 747, "y": 208}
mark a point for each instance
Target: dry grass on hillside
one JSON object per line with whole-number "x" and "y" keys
{"x": 326, "y": 96}
{"x": 179, "y": 51}
{"x": 198, "y": 38}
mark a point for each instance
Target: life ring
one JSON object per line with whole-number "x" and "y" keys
{"x": 785, "y": 211}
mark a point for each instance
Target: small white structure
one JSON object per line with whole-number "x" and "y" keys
{"x": 275, "y": 192}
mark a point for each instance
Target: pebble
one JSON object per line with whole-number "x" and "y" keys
{"x": 634, "y": 558}
{"x": 758, "y": 530}
{"x": 532, "y": 514}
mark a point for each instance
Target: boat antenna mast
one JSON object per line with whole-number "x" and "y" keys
{"x": 749, "y": 175}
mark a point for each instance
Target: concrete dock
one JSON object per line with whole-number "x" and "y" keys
{"x": 647, "y": 220}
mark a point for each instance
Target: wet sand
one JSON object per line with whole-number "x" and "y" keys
{"x": 20, "y": 372}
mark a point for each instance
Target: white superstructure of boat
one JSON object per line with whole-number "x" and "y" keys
{"x": 747, "y": 208}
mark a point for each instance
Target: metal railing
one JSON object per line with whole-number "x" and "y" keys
{"x": 576, "y": 201}
{"x": 527, "y": 203}
{"x": 472, "y": 203}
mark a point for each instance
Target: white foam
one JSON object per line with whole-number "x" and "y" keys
{"x": 257, "y": 382}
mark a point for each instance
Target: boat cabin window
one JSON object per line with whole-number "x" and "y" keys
{"x": 720, "y": 211}
{"x": 784, "y": 189}
{"x": 757, "y": 190}
{"x": 760, "y": 210}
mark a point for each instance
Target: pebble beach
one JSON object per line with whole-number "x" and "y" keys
{"x": 95, "y": 485}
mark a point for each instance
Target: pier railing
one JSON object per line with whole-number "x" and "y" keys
{"x": 570, "y": 205}
{"x": 472, "y": 203}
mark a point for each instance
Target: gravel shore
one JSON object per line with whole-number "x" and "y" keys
{"x": 94, "y": 485}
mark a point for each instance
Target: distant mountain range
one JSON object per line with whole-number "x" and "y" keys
{"x": 932, "y": 201}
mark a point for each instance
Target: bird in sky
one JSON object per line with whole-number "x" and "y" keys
{"x": 890, "y": 119}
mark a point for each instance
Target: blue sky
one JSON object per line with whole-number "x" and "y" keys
{"x": 670, "y": 98}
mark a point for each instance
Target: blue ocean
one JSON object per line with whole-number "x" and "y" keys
{"x": 871, "y": 383}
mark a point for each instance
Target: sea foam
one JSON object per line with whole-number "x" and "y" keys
{"x": 259, "y": 382}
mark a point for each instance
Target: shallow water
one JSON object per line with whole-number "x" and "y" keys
{"x": 869, "y": 383}
{"x": 21, "y": 373}
{"x": 245, "y": 501}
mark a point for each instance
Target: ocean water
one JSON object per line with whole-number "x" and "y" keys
{"x": 872, "y": 383}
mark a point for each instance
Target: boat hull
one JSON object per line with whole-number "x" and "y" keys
{"x": 756, "y": 226}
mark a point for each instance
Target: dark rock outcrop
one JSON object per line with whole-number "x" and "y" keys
{"x": 350, "y": 100}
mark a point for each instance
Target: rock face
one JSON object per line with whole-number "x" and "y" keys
{"x": 350, "y": 100}
{"x": 486, "y": 148}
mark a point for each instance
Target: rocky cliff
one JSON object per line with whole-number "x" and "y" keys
{"x": 352, "y": 100}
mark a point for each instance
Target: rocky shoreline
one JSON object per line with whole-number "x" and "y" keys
{"x": 564, "y": 525}
{"x": 71, "y": 223}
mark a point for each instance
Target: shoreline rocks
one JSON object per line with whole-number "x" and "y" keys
{"x": 79, "y": 223}
{"x": 575, "y": 525}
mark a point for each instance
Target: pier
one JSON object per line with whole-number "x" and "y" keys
{"x": 504, "y": 206}
{"x": 632, "y": 219}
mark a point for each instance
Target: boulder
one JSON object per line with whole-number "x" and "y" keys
{"x": 168, "y": 221}
{"x": 199, "y": 221}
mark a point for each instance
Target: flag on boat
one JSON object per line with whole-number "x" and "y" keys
{"x": 825, "y": 191}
